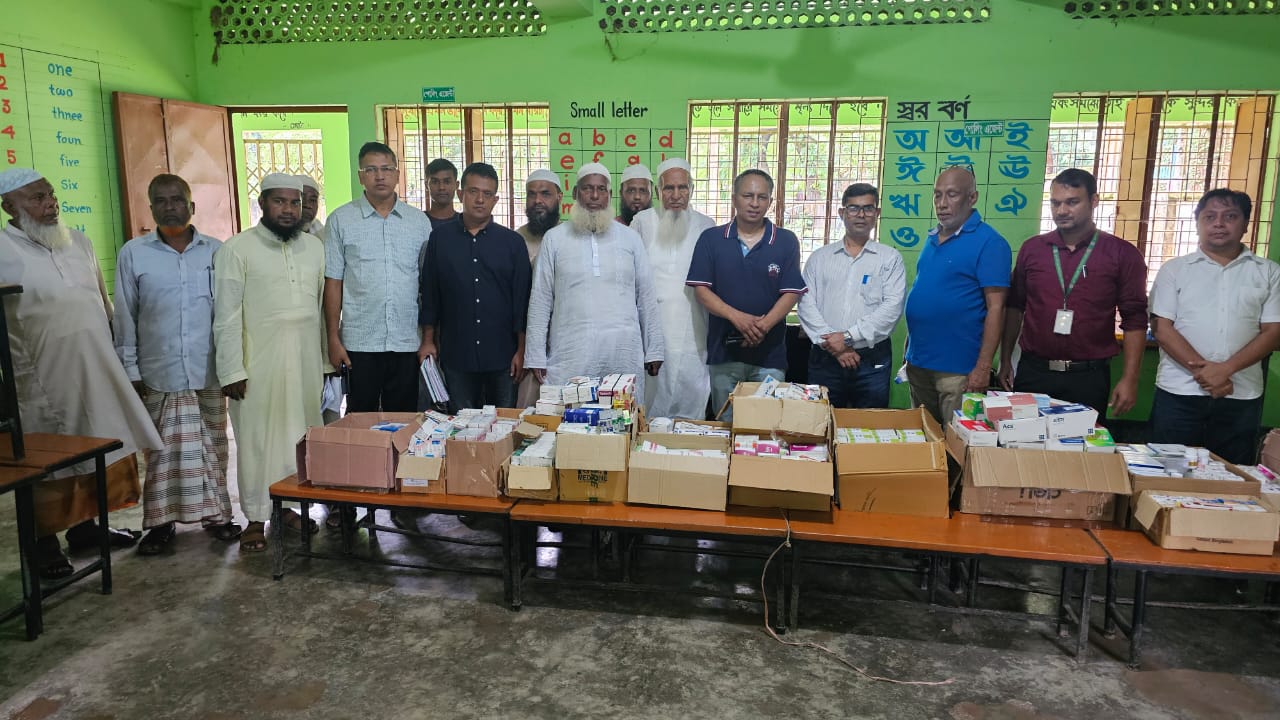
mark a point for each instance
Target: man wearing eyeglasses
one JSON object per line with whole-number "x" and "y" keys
{"x": 1067, "y": 288}
{"x": 636, "y": 191}
{"x": 955, "y": 310}
{"x": 856, "y": 291}
{"x": 372, "y": 249}
{"x": 442, "y": 187}
{"x": 475, "y": 289}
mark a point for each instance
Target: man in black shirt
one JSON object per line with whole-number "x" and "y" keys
{"x": 474, "y": 298}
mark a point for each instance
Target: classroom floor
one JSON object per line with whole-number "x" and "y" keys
{"x": 203, "y": 633}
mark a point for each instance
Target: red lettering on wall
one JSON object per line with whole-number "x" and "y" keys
{"x": 567, "y": 161}
{"x": 630, "y": 140}
{"x": 666, "y": 140}
{"x": 597, "y": 138}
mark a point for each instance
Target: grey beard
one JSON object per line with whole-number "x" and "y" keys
{"x": 54, "y": 237}
{"x": 673, "y": 225}
{"x": 589, "y": 221}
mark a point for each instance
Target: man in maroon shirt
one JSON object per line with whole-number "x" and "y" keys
{"x": 1067, "y": 287}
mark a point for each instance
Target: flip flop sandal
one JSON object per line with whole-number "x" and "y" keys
{"x": 293, "y": 521}
{"x": 226, "y": 532}
{"x": 254, "y": 538}
{"x": 157, "y": 539}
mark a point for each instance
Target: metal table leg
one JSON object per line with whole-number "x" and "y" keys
{"x": 1139, "y": 618}
{"x": 24, "y": 503}
{"x": 104, "y": 530}
{"x": 1109, "y": 605}
{"x": 1086, "y": 601}
{"x": 517, "y": 564}
{"x": 975, "y": 574}
{"x": 506, "y": 560}
{"x": 793, "y": 602}
{"x": 1063, "y": 593}
{"x": 277, "y": 540}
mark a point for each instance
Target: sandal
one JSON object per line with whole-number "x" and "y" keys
{"x": 157, "y": 539}
{"x": 254, "y": 538}
{"x": 293, "y": 521}
{"x": 54, "y": 565}
{"x": 226, "y": 532}
{"x": 338, "y": 514}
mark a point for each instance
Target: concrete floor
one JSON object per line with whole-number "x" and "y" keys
{"x": 204, "y": 633}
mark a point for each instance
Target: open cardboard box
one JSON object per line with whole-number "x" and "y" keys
{"x": 1246, "y": 485}
{"x": 592, "y": 485}
{"x": 776, "y": 483}
{"x": 899, "y": 478}
{"x": 1179, "y": 528}
{"x": 347, "y": 454}
{"x": 810, "y": 418}
{"x": 680, "y": 480}
{"x": 1039, "y": 483}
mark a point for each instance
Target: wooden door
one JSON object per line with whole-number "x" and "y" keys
{"x": 192, "y": 141}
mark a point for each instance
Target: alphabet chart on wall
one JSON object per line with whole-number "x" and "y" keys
{"x": 52, "y": 119}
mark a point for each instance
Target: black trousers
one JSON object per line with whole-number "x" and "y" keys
{"x": 1087, "y": 387}
{"x": 386, "y": 381}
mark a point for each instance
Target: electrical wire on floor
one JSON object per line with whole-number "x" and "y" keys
{"x": 786, "y": 543}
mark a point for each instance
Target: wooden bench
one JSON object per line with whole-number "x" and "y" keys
{"x": 1133, "y": 550}
{"x": 290, "y": 490}
{"x": 743, "y": 524}
{"x": 46, "y": 453}
{"x": 966, "y": 537}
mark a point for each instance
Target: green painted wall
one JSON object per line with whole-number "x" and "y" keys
{"x": 138, "y": 46}
{"x": 335, "y": 150}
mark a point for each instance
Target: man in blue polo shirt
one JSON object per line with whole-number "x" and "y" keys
{"x": 956, "y": 308}
{"x": 747, "y": 275}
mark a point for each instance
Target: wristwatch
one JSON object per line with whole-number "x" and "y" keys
{"x": 848, "y": 338}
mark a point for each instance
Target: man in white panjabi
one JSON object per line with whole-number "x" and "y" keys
{"x": 270, "y": 347}
{"x": 592, "y": 310}
{"x": 311, "y": 207}
{"x": 69, "y": 380}
{"x": 670, "y": 232}
{"x": 543, "y": 195}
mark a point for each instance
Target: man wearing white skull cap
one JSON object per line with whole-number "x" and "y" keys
{"x": 636, "y": 191}
{"x": 592, "y": 310}
{"x": 69, "y": 380}
{"x": 670, "y": 231}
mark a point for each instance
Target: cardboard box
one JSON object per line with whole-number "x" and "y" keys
{"x": 534, "y": 483}
{"x": 1030, "y": 429}
{"x": 811, "y": 418}
{"x": 778, "y": 483}
{"x": 421, "y": 475}
{"x": 592, "y": 485}
{"x": 1040, "y": 483}
{"x": 1271, "y": 451}
{"x": 680, "y": 480}
{"x": 898, "y": 478}
{"x": 1246, "y": 485}
{"x": 477, "y": 467}
{"x": 347, "y": 454}
{"x": 1182, "y": 528}
{"x": 580, "y": 451}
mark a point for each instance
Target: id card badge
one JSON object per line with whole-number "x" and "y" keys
{"x": 1062, "y": 321}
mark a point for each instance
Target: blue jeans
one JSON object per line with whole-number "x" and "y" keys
{"x": 477, "y": 389}
{"x": 866, "y": 386}
{"x": 1229, "y": 428}
{"x": 727, "y": 375}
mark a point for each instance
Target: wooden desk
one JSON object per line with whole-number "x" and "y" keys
{"x": 19, "y": 480}
{"x": 965, "y": 537}
{"x": 632, "y": 522}
{"x": 1133, "y": 550}
{"x": 47, "y": 453}
{"x": 291, "y": 490}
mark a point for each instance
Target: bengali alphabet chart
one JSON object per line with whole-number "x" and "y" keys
{"x": 1006, "y": 155}
{"x": 52, "y": 119}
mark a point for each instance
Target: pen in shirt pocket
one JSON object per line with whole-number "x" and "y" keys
{"x": 865, "y": 278}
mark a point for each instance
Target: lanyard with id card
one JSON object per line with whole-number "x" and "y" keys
{"x": 1063, "y": 319}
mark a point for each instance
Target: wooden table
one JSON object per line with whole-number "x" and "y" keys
{"x": 45, "y": 454}
{"x": 632, "y": 522}
{"x": 1133, "y": 550}
{"x": 965, "y": 537}
{"x": 290, "y": 490}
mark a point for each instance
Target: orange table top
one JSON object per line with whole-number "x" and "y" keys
{"x": 962, "y": 534}
{"x": 1132, "y": 548}
{"x": 48, "y": 451}
{"x": 289, "y": 489}
{"x": 13, "y": 476}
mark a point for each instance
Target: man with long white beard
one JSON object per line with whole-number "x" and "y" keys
{"x": 636, "y": 191}
{"x": 670, "y": 232}
{"x": 69, "y": 379}
{"x": 270, "y": 345}
{"x": 592, "y": 310}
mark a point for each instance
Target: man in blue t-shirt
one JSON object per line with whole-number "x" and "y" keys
{"x": 955, "y": 309}
{"x": 747, "y": 275}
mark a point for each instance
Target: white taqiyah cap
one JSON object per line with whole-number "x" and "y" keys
{"x": 15, "y": 178}
{"x": 280, "y": 181}
{"x": 637, "y": 172}
{"x": 595, "y": 169}
{"x": 308, "y": 181}
{"x": 544, "y": 175}
{"x": 675, "y": 163}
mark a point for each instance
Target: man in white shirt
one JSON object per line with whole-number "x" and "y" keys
{"x": 164, "y": 336}
{"x": 311, "y": 206}
{"x": 670, "y": 232}
{"x": 636, "y": 193}
{"x": 1216, "y": 315}
{"x": 857, "y": 288}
